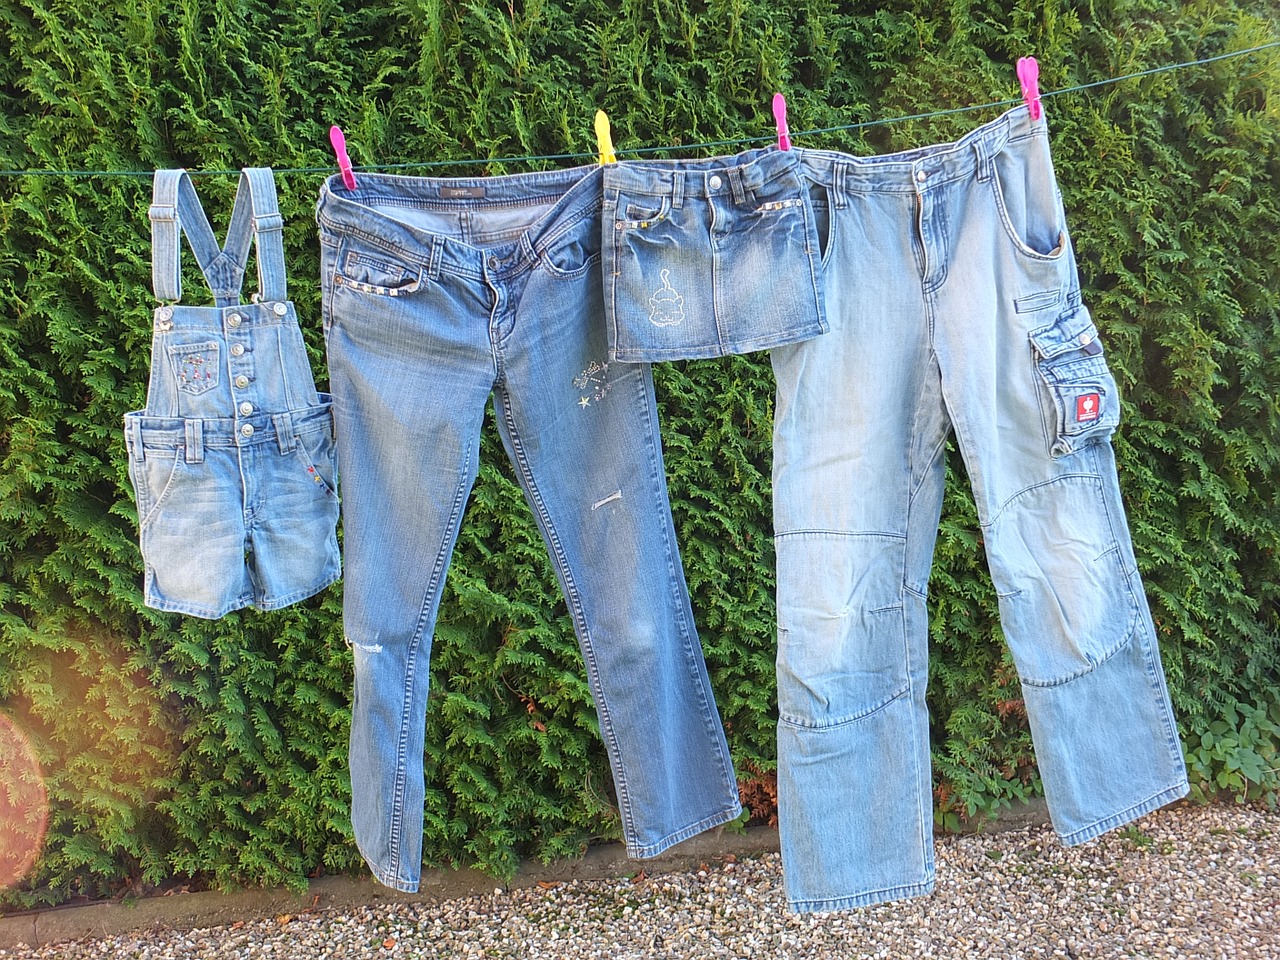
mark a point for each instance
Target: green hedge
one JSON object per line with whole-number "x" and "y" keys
{"x": 174, "y": 747}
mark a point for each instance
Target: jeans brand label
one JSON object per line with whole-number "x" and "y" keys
{"x": 462, "y": 193}
{"x": 1088, "y": 407}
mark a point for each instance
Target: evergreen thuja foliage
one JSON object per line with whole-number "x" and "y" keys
{"x": 178, "y": 748}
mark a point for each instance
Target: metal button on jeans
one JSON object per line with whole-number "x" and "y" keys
{"x": 715, "y": 183}
{"x": 242, "y": 381}
{"x": 233, "y": 320}
{"x": 246, "y": 408}
{"x": 237, "y": 349}
{"x": 247, "y": 430}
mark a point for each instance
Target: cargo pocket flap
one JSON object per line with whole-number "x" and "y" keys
{"x": 1073, "y": 332}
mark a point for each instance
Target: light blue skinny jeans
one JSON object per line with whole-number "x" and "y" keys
{"x": 954, "y": 305}
{"x": 439, "y": 293}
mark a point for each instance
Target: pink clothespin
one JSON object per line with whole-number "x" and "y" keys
{"x": 344, "y": 162}
{"x": 780, "y": 115}
{"x": 1029, "y": 77}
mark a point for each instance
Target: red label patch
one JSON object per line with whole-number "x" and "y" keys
{"x": 1088, "y": 407}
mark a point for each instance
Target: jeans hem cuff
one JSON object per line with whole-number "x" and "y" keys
{"x": 156, "y": 601}
{"x": 330, "y": 578}
{"x": 648, "y": 851}
{"x": 924, "y": 888}
{"x": 1099, "y": 827}
{"x": 387, "y": 879}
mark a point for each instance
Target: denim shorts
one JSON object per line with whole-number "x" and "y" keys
{"x": 440, "y": 296}
{"x": 232, "y": 461}
{"x": 707, "y": 258}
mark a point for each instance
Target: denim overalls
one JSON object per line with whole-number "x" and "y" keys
{"x": 232, "y": 461}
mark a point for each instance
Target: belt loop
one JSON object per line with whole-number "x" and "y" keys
{"x": 133, "y": 438}
{"x": 194, "y": 440}
{"x": 737, "y": 185}
{"x": 677, "y": 189}
{"x": 984, "y": 165}
{"x": 284, "y": 432}
{"x": 433, "y": 262}
{"x": 839, "y": 173}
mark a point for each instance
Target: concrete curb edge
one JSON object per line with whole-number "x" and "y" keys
{"x": 197, "y": 910}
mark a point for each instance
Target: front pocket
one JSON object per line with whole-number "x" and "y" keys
{"x": 1083, "y": 403}
{"x": 641, "y": 212}
{"x": 154, "y": 478}
{"x": 378, "y": 273}
{"x": 196, "y": 366}
{"x": 318, "y": 455}
{"x": 1026, "y": 193}
{"x": 780, "y": 205}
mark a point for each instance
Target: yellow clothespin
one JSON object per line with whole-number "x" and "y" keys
{"x": 604, "y": 139}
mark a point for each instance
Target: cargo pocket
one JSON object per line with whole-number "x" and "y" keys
{"x": 1080, "y": 402}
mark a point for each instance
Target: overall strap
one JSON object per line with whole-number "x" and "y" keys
{"x": 255, "y": 215}
{"x": 268, "y": 231}
{"x": 174, "y": 206}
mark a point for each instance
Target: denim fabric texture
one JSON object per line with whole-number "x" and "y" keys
{"x": 955, "y": 307}
{"x": 438, "y": 294}
{"x": 706, "y": 258}
{"x": 232, "y": 460}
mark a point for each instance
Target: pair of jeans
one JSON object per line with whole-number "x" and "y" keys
{"x": 232, "y": 460}
{"x": 438, "y": 293}
{"x": 954, "y": 307}
{"x": 706, "y": 258}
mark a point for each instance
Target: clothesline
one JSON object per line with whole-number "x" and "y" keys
{"x": 637, "y": 151}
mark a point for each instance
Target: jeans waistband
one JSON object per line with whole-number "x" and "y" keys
{"x": 738, "y": 175}
{"x": 144, "y": 432}
{"x": 911, "y": 171}
{"x": 575, "y": 194}
{"x": 221, "y": 320}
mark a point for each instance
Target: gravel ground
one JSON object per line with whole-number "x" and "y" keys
{"x": 1183, "y": 882}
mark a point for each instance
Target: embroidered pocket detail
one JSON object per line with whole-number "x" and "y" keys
{"x": 642, "y": 215}
{"x": 195, "y": 366}
{"x": 781, "y": 204}
{"x": 381, "y": 276}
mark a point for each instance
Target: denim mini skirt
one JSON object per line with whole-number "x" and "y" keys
{"x": 707, "y": 258}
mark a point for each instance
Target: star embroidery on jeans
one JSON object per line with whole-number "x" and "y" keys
{"x": 594, "y": 379}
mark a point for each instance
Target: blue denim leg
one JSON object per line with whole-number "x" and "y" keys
{"x": 439, "y": 293}
{"x": 954, "y": 306}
